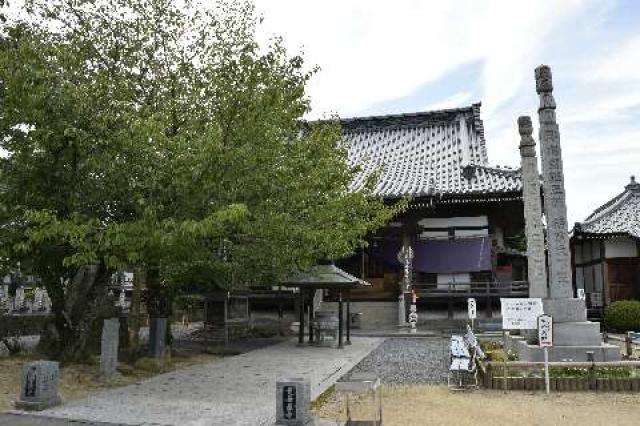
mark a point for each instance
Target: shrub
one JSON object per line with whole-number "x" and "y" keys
{"x": 623, "y": 315}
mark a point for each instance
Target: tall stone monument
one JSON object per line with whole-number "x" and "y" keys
{"x": 109, "y": 347}
{"x": 574, "y": 336}
{"x": 537, "y": 269}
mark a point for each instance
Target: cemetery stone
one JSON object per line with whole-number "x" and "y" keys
{"x": 46, "y": 302}
{"x": 38, "y": 300}
{"x": 109, "y": 347}
{"x": 157, "y": 337}
{"x": 39, "y": 386}
{"x": 293, "y": 402}
{"x": 18, "y": 301}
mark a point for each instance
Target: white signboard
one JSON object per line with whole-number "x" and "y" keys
{"x": 471, "y": 308}
{"x": 520, "y": 314}
{"x": 545, "y": 331}
{"x": 581, "y": 294}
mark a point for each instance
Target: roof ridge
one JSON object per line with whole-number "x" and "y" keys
{"x": 608, "y": 207}
{"x": 444, "y": 111}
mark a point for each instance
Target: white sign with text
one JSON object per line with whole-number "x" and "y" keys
{"x": 471, "y": 308}
{"x": 545, "y": 331}
{"x": 520, "y": 314}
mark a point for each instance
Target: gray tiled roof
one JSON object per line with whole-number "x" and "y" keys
{"x": 426, "y": 154}
{"x": 621, "y": 215}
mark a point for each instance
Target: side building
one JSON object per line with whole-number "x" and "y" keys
{"x": 605, "y": 251}
{"x": 464, "y": 224}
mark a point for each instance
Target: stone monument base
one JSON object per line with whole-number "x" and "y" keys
{"x": 573, "y": 335}
{"x": 36, "y": 405}
{"x": 577, "y": 353}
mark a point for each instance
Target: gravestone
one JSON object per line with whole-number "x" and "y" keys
{"x": 109, "y": 347}
{"x": 18, "y": 301}
{"x": 39, "y": 386}
{"x": 157, "y": 337}
{"x": 46, "y": 302}
{"x": 293, "y": 402}
{"x": 38, "y": 300}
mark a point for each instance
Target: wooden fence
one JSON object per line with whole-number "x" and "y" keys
{"x": 494, "y": 372}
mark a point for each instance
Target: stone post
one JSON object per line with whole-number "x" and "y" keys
{"x": 554, "y": 193}
{"x": 109, "y": 347}
{"x": 537, "y": 269}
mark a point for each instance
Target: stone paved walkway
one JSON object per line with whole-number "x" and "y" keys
{"x": 238, "y": 390}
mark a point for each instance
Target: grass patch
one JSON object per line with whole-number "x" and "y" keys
{"x": 435, "y": 405}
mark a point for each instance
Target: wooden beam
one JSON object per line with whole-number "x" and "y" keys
{"x": 301, "y": 326}
{"x": 340, "y": 320}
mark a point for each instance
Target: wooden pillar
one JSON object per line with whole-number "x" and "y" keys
{"x": 348, "y": 317}
{"x": 301, "y": 319}
{"x": 489, "y": 308}
{"x": 340, "y": 320}
{"x": 311, "y": 317}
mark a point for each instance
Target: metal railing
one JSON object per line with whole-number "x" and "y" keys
{"x": 493, "y": 289}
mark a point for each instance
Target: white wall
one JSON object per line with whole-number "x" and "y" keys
{"x": 620, "y": 248}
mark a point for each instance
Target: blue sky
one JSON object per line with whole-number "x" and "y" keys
{"x": 380, "y": 57}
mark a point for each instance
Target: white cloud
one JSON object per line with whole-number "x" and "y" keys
{"x": 454, "y": 101}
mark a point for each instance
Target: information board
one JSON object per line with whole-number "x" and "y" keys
{"x": 520, "y": 314}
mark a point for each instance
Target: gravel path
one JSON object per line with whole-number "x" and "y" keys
{"x": 408, "y": 361}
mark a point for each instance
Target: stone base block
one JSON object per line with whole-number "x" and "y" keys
{"x": 534, "y": 353}
{"x": 36, "y": 405}
{"x": 565, "y": 310}
{"x": 584, "y": 333}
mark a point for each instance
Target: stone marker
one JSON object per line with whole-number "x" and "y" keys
{"x": 39, "y": 386}
{"x": 109, "y": 347}
{"x": 536, "y": 267}
{"x": 554, "y": 194}
{"x": 18, "y": 301}
{"x": 46, "y": 302}
{"x": 38, "y": 299}
{"x": 574, "y": 336}
{"x": 157, "y": 337}
{"x": 293, "y": 402}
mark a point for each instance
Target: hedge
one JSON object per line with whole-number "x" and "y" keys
{"x": 623, "y": 316}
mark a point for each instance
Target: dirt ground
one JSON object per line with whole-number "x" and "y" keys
{"x": 78, "y": 381}
{"x": 436, "y": 405}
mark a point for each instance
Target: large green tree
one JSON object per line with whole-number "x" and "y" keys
{"x": 139, "y": 132}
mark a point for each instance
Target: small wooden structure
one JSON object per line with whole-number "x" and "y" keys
{"x": 325, "y": 275}
{"x": 226, "y": 311}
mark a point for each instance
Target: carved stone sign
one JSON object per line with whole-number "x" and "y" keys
{"x": 293, "y": 402}
{"x": 39, "y": 386}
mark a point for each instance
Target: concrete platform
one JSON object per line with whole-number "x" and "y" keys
{"x": 527, "y": 352}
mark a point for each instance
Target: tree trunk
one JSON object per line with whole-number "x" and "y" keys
{"x": 78, "y": 310}
{"x": 135, "y": 317}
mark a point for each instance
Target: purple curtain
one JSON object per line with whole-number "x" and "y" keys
{"x": 450, "y": 256}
